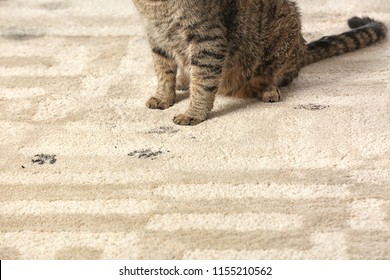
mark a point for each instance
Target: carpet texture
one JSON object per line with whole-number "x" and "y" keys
{"x": 88, "y": 172}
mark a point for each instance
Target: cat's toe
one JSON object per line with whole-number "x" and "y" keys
{"x": 271, "y": 95}
{"x": 184, "y": 119}
{"x": 157, "y": 103}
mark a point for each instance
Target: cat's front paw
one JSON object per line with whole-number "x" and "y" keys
{"x": 157, "y": 103}
{"x": 184, "y": 119}
{"x": 271, "y": 94}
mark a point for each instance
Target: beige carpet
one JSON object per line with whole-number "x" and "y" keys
{"x": 88, "y": 172}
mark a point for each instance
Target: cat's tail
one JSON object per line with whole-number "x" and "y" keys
{"x": 364, "y": 32}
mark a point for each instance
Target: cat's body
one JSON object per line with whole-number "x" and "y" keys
{"x": 243, "y": 48}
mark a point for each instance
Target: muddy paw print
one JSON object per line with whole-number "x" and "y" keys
{"x": 163, "y": 130}
{"x": 311, "y": 107}
{"x": 146, "y": 154}
{"x": 44, "y": 159}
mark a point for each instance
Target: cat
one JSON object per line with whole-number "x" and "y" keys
{"x": 241, "y": 48}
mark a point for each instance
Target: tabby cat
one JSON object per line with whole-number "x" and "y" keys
{"x": 242, "y": 48}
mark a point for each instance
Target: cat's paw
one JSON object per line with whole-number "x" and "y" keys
{"x": 271, "y": 94}
{"x": 157, "y": 103}
{"x": 184, "y": 119}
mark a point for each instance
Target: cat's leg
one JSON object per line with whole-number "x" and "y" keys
{"x": 206, "y": 69}
{"x": 203, "y": 87}
{"x": 166, "y": 69}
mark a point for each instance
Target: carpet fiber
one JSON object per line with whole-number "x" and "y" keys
{"x": 88, "y": 172}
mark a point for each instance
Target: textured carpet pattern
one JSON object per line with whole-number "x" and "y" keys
{"x": 88, "y": 172}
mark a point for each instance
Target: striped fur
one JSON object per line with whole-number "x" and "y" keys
{"x": 365, "y": 32}
{"x": 241, "y": 48}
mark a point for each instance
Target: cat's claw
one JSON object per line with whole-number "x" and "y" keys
{"x": 184, "y": 119}
{"x": 157, "y": 103}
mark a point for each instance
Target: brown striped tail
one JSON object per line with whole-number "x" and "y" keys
{"x": 364, "y": 32}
